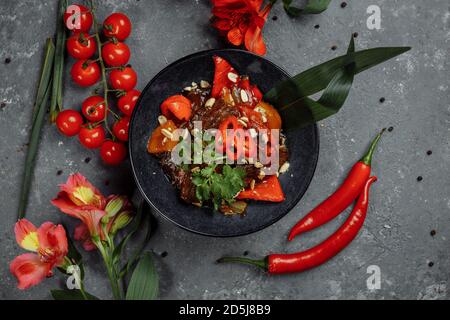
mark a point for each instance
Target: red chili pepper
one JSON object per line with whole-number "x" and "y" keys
{"x": 298, "y": 262}
{"x": 341, "y": 198}
{"x": 268, "y": 190}
{"x": 229, "y": 143}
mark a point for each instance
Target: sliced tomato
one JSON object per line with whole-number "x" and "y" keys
{"x": 221, "y": 76}
{"x": 267, "y": 190}
{"x": 159, "y": 142}
{"x": 178, "y": 106}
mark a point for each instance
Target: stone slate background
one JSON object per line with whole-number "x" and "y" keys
{"x": 403, "y": 211}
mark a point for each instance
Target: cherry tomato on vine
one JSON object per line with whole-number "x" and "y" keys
{"x": 120, "y": 128}
{"x": 118, "y": 26}
{"x": 92, "y": 138}
{"x": 81, "y": 46}
{"x": 128, "y": 101}
{"x": 85, "y": 21}
{"x": 94, "y": 108}
{"x": 85, "y": 73}
{"x": 116, "y": 54}
{"x": 69, "y": 122}
{"x": 123, "y": 79}
{"x": 113, "y": 153}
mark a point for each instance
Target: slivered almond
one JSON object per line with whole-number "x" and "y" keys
{"x": 233, "y": 77}
{"x": 264, "y": 118}
{"x": 261, "y": 175}
{"x": 284, "y": 167}
{"x": 258, "y": 164}
{"x": 164, "y": 140}
{"x": 242, "y": 122}
{"x": 210, "y": 102}
{"x": 167, "y": 133}
{"x": 204, "y": 84}
{"x": 162, "y": 119}
{"x": 187, "y": 89}
{"x": 244, "y": 96}
{"x": 252, "y": 184}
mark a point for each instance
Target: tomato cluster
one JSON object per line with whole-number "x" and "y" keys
{"x": 113, "y": 57}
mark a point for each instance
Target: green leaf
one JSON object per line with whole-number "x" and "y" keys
{"x": 137, "y": 253}
{"x": 144, "y": 283}
{"x": 312, "y": 7}
{"x": 56, "y": 103}
{"x": 136, "y": 224}
{"x": 71, "y": 295}
{"x": 38, "y": 122}
{"x": 335, "y": 76}
{"x": 316, "y": 6}
{"x": 46, "y": 72}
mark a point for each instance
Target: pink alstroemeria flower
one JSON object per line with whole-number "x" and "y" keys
{"x": 80, "y": 199}
{"x": 49, "y": 244}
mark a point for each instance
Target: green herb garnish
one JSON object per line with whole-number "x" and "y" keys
{"x": 218, "y": 187}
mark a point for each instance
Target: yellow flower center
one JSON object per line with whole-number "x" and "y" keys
{"x": 30, "y": 241}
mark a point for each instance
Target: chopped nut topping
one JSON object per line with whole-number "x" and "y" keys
{"x": 242, "y": 122}
{"x": 210, "y": 102}
{"x": 167, "y": 133}
{"x": 233, "y": 77}
{"x": 162, "y": 119}
{"x": 244, "y": 96}
{"x": 204, "y": 84}
{"x": 252, "y": 184}
{"x": 284, "y": 167}
{"x": 187, "y": 89}
{"x": 258, "y": 164}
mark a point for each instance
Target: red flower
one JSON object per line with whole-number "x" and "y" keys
{"x": 49, "y": 242}
{"x": 80, "y": 199}
{"x": 241, "y": 21}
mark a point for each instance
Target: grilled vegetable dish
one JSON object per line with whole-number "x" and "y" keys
{"x": 221, "y": 145}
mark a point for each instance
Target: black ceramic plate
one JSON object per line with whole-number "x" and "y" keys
{"x": 303, "y": 146}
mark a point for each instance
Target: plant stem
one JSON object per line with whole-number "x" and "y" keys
{"x": 113, "y": 279}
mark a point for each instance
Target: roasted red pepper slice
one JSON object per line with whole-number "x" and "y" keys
{"x": 268, "y": 190}
{"x": 178, "y": 106}
{"x": 221, "y": 77}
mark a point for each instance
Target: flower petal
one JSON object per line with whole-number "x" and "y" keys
{"x": 26, "y": 235}
{"x": 29, "y": 270}
{"x": 235, "y": 36}
{"x": 82, "y": 192}
{"x": 53, "y": 242}
{"x": 81, "y": 233}
{"x": 254, "y": 41}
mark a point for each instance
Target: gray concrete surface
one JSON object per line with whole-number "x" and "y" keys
{"x": 403, "y": 211}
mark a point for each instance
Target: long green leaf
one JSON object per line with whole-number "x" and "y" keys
{"x": 335, "y": 76}
{"x": 32, "y": 151}
{"x": 46, "y": 73}
{"x": 56, "y": 98}
{"x": 311, "y": 7}
{"x": 71, "y": 295}
{"x": 317, "y": 78}
{"x": 144, "y": 283}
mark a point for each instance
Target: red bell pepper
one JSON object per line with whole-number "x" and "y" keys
{"x": 221, "y": 78}
{"x": 268, "y": 190}
{"x": 178, "y": 106}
